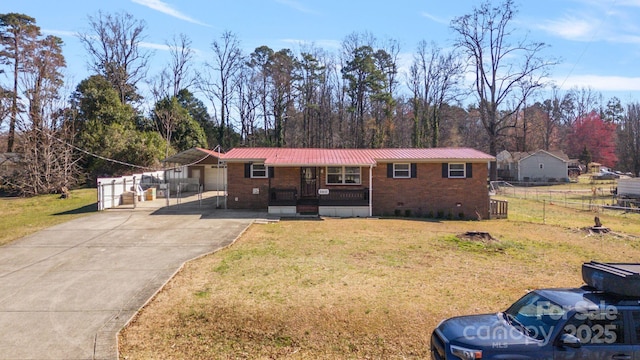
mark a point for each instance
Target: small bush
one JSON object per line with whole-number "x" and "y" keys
{"x": 440, "y": 214}
{"x": 407, "y": 212}
{"x": 461, "y": 215}
{"x": 396, "y": 212}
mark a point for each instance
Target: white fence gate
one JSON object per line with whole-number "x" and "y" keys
{"x": 110, "y": 190}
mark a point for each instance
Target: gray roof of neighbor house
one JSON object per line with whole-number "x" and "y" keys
{"x": 517, "y": 156}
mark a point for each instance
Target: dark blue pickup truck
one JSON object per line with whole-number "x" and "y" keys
{"x": 575, "y": 323}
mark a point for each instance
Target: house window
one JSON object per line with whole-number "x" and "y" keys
{"x": 401, "y": 171}
{"x": 343, "y": 175}
{"x": 457, "y": 170}
{"x": 541, "y": 165}
{"x": 258, "y": 171}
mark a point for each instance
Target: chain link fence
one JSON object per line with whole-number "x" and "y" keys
{"x": 599, "y": 198}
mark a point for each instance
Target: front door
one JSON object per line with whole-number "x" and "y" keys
{"x": 308, "y": 182}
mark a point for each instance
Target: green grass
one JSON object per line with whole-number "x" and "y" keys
{"x": 23, "y": 216}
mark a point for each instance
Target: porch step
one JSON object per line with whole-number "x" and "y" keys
{"x": 308, "y": 201}
{"x": 307, "y": 209}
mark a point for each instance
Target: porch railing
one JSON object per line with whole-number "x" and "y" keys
{"x": 498, "y": 209}
{"x": 345, "y": 197}
{"x": 336, "y": 197}
{"x": 283, "y": 197}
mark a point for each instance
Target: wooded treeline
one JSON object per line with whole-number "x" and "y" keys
{"x": 363, "y": 96}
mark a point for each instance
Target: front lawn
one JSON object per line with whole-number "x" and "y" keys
{"x": 363, "y": 288}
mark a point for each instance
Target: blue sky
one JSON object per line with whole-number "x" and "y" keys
{"x": 596, "y": 41}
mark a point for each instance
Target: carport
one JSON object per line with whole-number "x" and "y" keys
{"x": 198, "y": 167}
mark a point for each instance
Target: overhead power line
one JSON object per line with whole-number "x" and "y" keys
{"x": 114, "y": 160}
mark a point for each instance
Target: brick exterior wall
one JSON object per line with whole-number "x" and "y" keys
{"x": 426, "y": 195}
{"x": 240, "y": 188}
{"x": 429, "y": 193}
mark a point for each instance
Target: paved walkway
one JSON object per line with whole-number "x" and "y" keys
{"x": 66, "y": 291}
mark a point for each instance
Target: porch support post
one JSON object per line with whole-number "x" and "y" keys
{"x": 218, "y": 178}
{"x": 370, "y": 190}
{"x": 225, "y": 168}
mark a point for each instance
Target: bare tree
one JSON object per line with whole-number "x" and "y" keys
{"x": 113, "y": 42}
{"x": 629, "y": 140}
{"x": 552, "y": 119}
{"x": 180, "y": 65}
{"x": 219, "y": 83}
{"x": 259, "y": 62}
{"x": 246, "y": 104}
{"x": 329, "y": 105}
{"x": 164, "y": 115}
{"x": 578, "y": 103}
{"x": 282, "y": 71}
{"x": 435, "y": 77}
{"x": 499, "y": 66}
{"x": 166, "y": 87}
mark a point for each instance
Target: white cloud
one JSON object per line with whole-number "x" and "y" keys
{"x": 598, "y": 21}
{"x": 323, "y": 44}
{"x": 434, "y": 18}
{"x": 631, "y": 3}
{"x": 60, "y": 33}
{"x": 167, "y": 9}
{"x": 295, "y": 5}
{"x": 154, "y": 46}
{"x": 571, "y": 28}
{"x": 405, "y": 60}
{"x": 600, "y": 82}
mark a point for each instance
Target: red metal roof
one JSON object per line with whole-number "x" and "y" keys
{"x": 351, "y": 157}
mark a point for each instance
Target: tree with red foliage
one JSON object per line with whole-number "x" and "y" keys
{"x": 595, "y": 135}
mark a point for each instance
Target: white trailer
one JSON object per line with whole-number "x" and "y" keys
{"x": 629, "y": 188}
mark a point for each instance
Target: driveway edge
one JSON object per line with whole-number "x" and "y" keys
{"x": 104, "y": 339}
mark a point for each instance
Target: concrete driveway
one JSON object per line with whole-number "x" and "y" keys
{"x": 66, "y": 291}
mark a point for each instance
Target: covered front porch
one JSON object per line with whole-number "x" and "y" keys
{"x": 324, "y": 202}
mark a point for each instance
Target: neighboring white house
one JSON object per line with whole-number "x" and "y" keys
{"x": 537, "y": 166}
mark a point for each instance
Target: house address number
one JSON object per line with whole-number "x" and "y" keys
{"x": 323, "y": 191}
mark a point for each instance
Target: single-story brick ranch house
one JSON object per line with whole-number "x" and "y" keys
{"x": 359, "y": 182}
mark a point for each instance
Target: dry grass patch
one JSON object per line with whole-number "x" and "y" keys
{"x": 354, "y": 288}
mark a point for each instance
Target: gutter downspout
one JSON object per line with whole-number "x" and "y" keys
{"x": 370, "y": 190}
{"x": 218, "y": 179}
{"x": 224, "y": 182}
